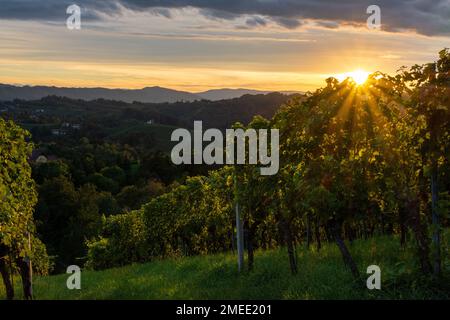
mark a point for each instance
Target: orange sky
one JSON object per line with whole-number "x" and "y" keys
{"x": 140, "y": 50}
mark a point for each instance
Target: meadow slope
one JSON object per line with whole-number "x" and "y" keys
{"x": 322, "y": 275}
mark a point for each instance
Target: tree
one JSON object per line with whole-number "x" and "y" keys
{"x": 133, "y": 197}
{"x": 50, "y": 170}
{"x": 114, "y": 173}
{"x": 429, "y": 99}
{"x": 104, "y": 183}
{"x": 18, "y": 197}
{"x": 332, "y": 145}
{"x": 57, "y": 205}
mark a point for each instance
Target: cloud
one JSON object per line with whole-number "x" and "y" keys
{"x": 290, "y": 23}
{"x": 256, "y": 21}
{"x": 427, "y": 17}
{"x": 328, "y": 24}
{"x": 164, "y": 12}
{"x": 54, "y": 10}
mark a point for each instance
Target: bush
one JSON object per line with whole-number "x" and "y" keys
{"x": 98, "y": 256}
{"x": 123, "y": 241}
{"x": 42, "y": 265}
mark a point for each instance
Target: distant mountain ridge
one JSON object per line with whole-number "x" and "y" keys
{"x": 148, "y": 94}
{"x": 226, "y": 93}
{"x": 154, "y": 94}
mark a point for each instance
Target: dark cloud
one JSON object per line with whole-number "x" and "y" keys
{"x": 327, "y": 24}
{"x": 218, "y": 14}
{"x": 290, "y": 23}
{"x": 164, "y": 12}
{"x": 429, "y": 17}
{"x": 256, "y": 21}
{"x": 54, "y": 10}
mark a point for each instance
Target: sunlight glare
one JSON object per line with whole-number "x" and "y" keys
{"x": 358, "y": 76}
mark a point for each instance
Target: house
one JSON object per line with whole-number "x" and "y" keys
{"x": 68, "y": 125}
{"x": 41, "y": 159}
{"x": 35, "y": 154}
{"x": 58, "y": 132}
{"x": 39, "y": 156}
{"x": 44, "y": 159}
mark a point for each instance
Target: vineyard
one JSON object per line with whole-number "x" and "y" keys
{"x": 356, "y": 161}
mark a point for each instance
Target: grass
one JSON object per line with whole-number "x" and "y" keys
{"x": 321, "y": 275}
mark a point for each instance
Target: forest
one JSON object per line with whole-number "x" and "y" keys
{"x": 356, "y": 161}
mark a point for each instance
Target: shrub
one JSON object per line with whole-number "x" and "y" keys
{"x": 123, "y": 241}
{"x": 42, "y": 265}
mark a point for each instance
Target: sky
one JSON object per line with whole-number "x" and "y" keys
{"x": 197, "y": 45}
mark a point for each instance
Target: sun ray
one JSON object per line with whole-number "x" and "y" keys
{"x": 358, "y": 76}
{"x": 344, "y": 109}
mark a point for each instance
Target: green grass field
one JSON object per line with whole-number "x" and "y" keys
{"x": 322, "y": 275}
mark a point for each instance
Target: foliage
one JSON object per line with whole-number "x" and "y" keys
{"x": 18, "y": 197}
{"x": 125, "y": 242}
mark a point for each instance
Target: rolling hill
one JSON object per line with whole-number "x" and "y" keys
{"x": 146, "y": 95}
{"x": 222, "y": 94}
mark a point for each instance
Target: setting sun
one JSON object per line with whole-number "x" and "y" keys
{"x": 359, "y": 76}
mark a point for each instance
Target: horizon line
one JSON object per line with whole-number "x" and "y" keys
{"x": 21, "y": 85}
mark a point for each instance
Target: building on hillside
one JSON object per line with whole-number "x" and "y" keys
{"x": 41, "y": 159}
{"x": 39, "y": 156}
{"x": 68, "y": 125}
{"x": 58, "y": 132}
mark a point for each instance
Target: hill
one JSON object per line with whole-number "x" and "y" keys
{"x": 223, "y": 113}
{"x": 149, "y": 94}
{"x": 113, "y": 113}
{"x": 221, "y": 94}
{"x": 322, "y": 275}
{"x": 154, "y": 94}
